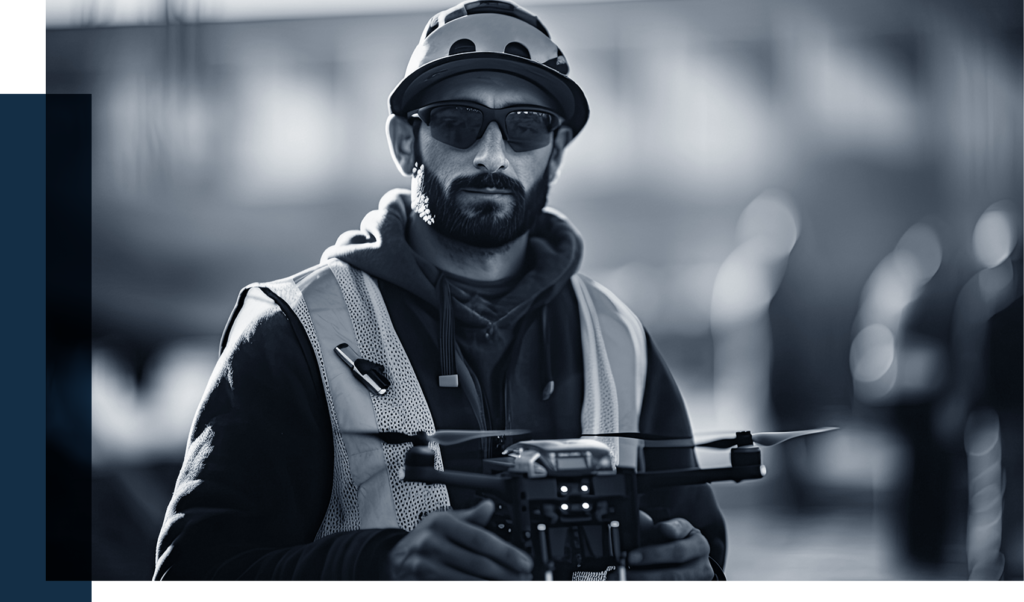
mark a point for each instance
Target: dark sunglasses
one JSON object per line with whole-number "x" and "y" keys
{"x": 461, "y": 124}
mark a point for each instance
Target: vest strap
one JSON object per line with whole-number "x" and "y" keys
{"x": 368, "y": 469}
{"x": 624, "y": 343}
{"x": 600, "y": 412}
{"x": 402, "y": 408}
{"x": 342, "y": 510}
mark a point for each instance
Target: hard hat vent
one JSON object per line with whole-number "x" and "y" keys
{"x": 460, "y": 46}
{"x": 517, "y": 49}
{"x": 558, "y": 63}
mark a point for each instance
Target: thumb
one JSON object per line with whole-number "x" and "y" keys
{"x": 479, "y": 514}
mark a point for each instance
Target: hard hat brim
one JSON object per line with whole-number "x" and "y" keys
{"x": 574, "y": 107}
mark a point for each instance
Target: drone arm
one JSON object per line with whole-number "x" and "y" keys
{"x": 651, "y": 481}
{"x": 482, "y": 483}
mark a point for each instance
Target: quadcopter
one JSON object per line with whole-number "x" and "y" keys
{"x": 565, "y": 502}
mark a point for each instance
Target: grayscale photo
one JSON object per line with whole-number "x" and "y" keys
{"x": 613, "y": 290}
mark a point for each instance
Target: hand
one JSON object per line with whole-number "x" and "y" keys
{"x": 455, "y": 545}
{"x": 669, "y": 551}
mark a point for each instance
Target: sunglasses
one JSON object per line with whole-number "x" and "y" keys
{"x": 461, "y": 124}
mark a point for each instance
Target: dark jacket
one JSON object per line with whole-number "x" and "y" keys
{"x": 257, "y": 475}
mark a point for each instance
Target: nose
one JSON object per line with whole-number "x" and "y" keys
{"x": 490, "y": 150}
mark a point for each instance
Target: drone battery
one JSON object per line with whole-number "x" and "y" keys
{"x": 571, "y": 463}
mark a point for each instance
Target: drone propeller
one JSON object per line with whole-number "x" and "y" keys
{"x": 720, "y": 441}
{"x": 449, "y": 437}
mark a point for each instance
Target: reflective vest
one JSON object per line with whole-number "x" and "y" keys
{"x": 337, "y": 303}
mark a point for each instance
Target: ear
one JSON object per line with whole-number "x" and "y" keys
{"x": 562, "y": 137}
{"x": 401, "y": 139}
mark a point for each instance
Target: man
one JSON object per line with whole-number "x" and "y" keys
{"x": 461, "y": 300}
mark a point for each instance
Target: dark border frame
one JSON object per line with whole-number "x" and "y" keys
{"x": 23, "y": 238}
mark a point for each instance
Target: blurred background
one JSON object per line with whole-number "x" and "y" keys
{"x": 815, "y": 207}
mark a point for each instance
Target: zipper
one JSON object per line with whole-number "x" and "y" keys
{"x": 475, "y": 397}
{"x": 513, "y": 354}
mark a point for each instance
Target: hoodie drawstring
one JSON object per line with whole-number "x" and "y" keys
{"x": 549, "y": 388}
{"x": 446, "y": 339}
{"x": 448, "y": 377}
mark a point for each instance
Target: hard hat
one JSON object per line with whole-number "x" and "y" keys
{"x": 491, "y": 35}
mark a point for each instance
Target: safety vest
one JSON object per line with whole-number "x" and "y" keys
{"x": 337, "y": 303}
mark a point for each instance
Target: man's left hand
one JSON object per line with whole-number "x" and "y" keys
{"x": 672, "y": 550}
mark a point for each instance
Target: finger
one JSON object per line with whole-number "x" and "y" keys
{"x": 680, "y": 551}
{"x": 478, "y": 515}
{"x": 645, "y": 522}
{"x": 485, "y": 543}
{"x": 697, "y": 570}
{"x": 666, "y": 531}
{"x": 471, "y": 563}
{"x": 407, "y": 558}
{"x": 676, "y": 528}
{"x": 430, "y": 568}
{"x": 645, "y": 527}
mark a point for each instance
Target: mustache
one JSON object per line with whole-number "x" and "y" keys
{"x": 489, "y": 180}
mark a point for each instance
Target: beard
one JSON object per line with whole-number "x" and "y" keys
{"x": 486, "y": 224}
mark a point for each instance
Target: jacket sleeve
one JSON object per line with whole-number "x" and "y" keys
{"x": 664, "y": 413}
{"x": 258, "y": 469}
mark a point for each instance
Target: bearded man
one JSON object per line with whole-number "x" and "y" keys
{"x": 461, "y": 300}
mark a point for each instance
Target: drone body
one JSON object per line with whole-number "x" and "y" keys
{"x": 568, "y": 505}
{"x": 564, "y": 502}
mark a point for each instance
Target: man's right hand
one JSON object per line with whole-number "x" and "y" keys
{"x": 455, "y": 545}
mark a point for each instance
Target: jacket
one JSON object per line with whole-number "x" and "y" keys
{"x": 257, "y": 477}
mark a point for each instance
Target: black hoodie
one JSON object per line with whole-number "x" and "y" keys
{"x": 257, "y": 475}
{"x": 490, "y": 322}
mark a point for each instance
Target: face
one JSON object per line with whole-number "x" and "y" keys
{"x": 486, "y": 195}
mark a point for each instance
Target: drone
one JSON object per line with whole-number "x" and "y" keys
{"x": 565, "y": 502}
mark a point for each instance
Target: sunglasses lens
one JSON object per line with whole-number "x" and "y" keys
{"x": 455, "y": 125}
{"x": 461, "y": 126}
{"x": 528, "y": 130}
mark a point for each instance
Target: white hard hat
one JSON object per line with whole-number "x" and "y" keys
{"x": 491, "y": 35}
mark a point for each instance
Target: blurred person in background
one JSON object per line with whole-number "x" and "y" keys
{"x": 1003, "y": 393}
{"x": 899, "y": 359}
{"x": 463, "y": 300}
{"x": 983, "y": 411}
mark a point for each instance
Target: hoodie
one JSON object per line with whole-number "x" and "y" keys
{"x": 482, "y": 320}
{"x": 258, "y": 470}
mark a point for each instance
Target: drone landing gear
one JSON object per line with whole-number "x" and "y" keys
{"x": 615, "y": 545}
{"x": 613, "y": 542}
{"x": 545, "y": 552}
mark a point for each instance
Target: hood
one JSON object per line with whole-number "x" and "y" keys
{"x": 380, "y": 249}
